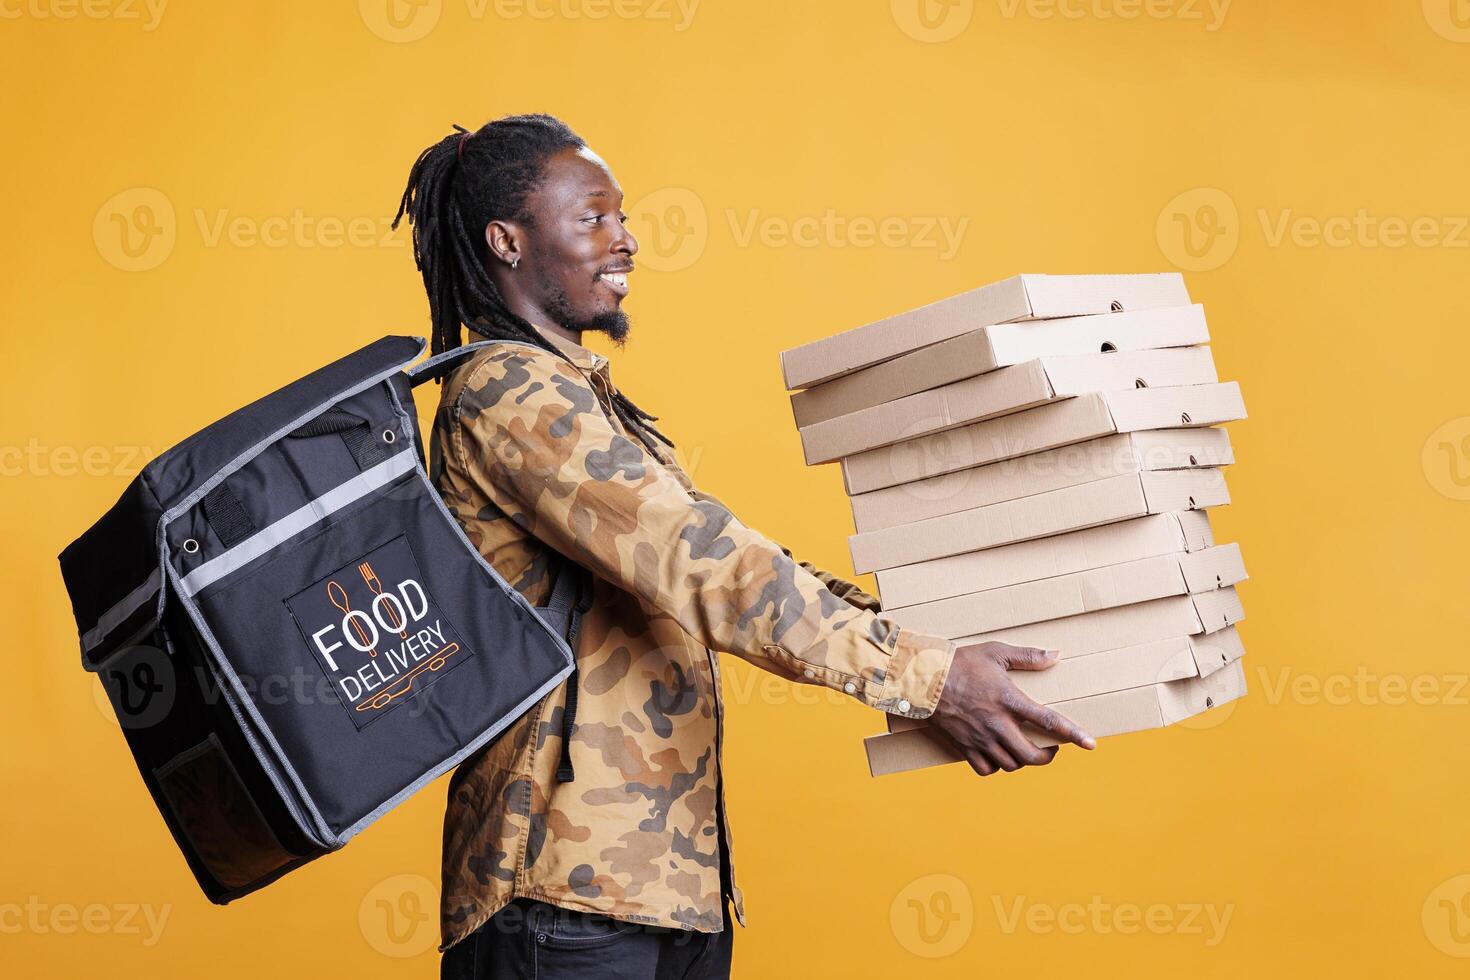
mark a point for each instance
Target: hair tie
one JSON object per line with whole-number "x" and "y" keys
{"x": 459, "y": 151}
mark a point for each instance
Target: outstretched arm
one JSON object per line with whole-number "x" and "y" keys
{"x": 532, "y": 432}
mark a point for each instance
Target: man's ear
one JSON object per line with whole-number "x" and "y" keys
{"x": 504, "y": 241}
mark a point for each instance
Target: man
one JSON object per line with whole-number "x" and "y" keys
{"x": 624, "y": 868}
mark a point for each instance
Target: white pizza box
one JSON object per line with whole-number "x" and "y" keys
{"x": 1075, "y": 594}
{"x": 1003, "y": 392}
{"x": 1122, "y": 626}
{"x": 1025, "y": 297}
{"x": 996, "y": 347}
{"x": 1118, "y": 498}
{"x": 1102, "y": 716}
{"x": 1060, "y": 423}
{"x": 1174, "y": 659}
{"x": 1042, "y": 558}
{"x": 1054, "y": 469}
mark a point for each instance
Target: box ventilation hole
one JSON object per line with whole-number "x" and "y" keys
{"x": 1184, "y": 417}
{"x": 1109, "y": 347}
{"x": 1117, "y": 307}
{"x": 1193, "y": 461}
{"x": 1140, "y": 383}
{"x": 1209, "y": 702}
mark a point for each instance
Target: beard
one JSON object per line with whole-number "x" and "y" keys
{"x": 613, "y": 322}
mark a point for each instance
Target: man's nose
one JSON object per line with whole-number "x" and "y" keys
{"x": 625, "y": 243}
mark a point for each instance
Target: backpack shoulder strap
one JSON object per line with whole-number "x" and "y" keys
{"x": 441, "y": 364}
{"x": 570, "y": 598}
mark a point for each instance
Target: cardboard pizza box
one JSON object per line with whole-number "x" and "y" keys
{"x": 1075, "y": 594}
{"x": 1054, "y": 469}
{"x": 1171, "y": 659}
{"x": 1025, "y": 297}
{"x": 1043, "y": 558}
{"x": 991, "y": 348}
{"x": 1060, "y": 423}
{"x": 1174, "y": 659}
{"x": 1199, "y": 613}
{"x": 1102, "y": 716}
{"x": 1118, "y": 498}
{"x": 1003, "y": 392}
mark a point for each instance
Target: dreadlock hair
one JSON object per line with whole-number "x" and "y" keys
{"x": 458, "y": 186}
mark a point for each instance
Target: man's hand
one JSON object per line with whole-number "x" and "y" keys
{"x": 981, "y": 710}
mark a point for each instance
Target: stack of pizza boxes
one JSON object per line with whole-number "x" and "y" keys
{"x": 1034, "y": 462}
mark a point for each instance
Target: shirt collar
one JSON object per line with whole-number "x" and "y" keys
{"x": 584, "y": 359}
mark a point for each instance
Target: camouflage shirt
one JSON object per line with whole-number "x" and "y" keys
{"x": 528, "y": 455}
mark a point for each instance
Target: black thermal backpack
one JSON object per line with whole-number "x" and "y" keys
{"x": 293, "y": 630}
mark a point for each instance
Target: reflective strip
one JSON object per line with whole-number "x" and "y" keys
{"x": 124, "y": 608}
{"x": 299, "y": 520}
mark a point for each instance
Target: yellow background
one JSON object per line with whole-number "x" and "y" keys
{"x": 1329, "y": 826}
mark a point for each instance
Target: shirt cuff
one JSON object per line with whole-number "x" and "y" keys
{"x": 918, "y": 666}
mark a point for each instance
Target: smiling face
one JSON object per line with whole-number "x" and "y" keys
{"x": 574, "y": 252}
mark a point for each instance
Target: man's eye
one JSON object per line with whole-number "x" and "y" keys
{"x": 595, "y": 218}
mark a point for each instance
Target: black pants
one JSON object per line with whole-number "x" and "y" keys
{"x": 535, "y": 940}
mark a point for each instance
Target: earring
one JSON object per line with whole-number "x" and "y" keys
{"x": 516, "y": 262}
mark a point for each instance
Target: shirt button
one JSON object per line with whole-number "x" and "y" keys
{"x": 809, "y": 673}
{"x": 904, "y": 706}
{"x": 850, "y": 687}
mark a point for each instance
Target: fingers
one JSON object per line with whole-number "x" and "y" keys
{"x": 1007, "y": 750}
{"x": 1021, "y": 748}
{"x": 1025, "y": 658}
{"x": 1049, "y": 720}
{"x": 1001, "y": 756}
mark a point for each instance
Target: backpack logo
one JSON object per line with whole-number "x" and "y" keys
{"x": 375, "y": 631}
